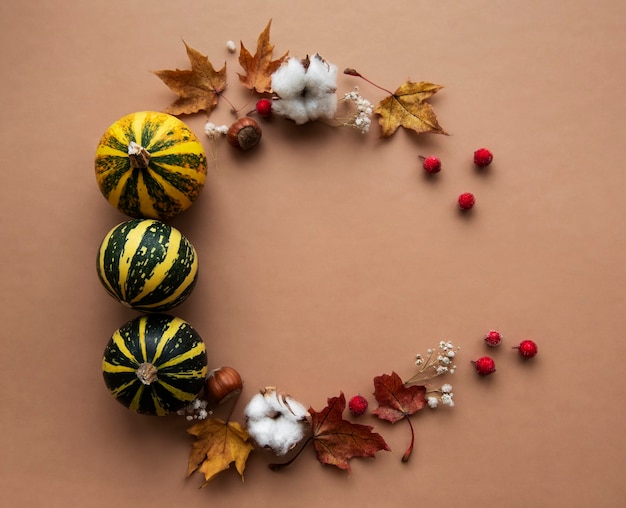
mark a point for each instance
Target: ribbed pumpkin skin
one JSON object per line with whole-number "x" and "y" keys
{"x": 175, "y": 174}
{"x": 168, "y": 343}
{"x": 147, "y": 265}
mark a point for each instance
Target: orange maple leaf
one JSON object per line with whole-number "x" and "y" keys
{"x": 217, "y": 445}
{"x": 407, "y": 107}
{"x": 260, "y": 67}
{"x": 198, "y": 89}
{"x": 337, "y": 440}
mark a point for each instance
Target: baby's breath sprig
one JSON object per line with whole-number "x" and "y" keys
{"x": 361, "y": 119}
{"x": 437, "y": 362}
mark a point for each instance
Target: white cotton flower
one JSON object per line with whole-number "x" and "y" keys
{"x": 305, "y": 89}
{"x": 275, "y": 420}
{"x": 433, "y": 402}
{"x": 289, "y": 79}
{"x": 291, "y": 108}
{"x": 321, "y": 77}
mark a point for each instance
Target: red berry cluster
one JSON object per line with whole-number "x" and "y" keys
{"x": 482, "y": 158}
{"x": 486, "y": 365}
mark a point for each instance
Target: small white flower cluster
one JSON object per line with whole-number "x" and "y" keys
{"x": 196, "y": 410}
{"x": 445, "y": 397}
{"x": 305, "y": 89}
{"x": 275, "y": 420}
{"x": 363, "y": 117}
{"x": 230, "y": 46}
{"x": 443, "y": 362}
{"x": 213, "y": 131}
{"x": 437, "y": 362}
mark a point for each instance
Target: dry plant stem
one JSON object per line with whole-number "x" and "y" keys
{"x": 232, "y": 407}
{"x": 422, "y": 374}
{"x": 279, "y": 466}
{"x": 409, "y": 450}
{"x": 233, "y": 109}
{"x": 353, "y": 72}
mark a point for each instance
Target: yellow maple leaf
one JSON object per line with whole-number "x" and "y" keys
{"x": 260, "y": 67}
{"x": 198, "y": 89}
{"x": 218, "y": 444}
{"x": 407, "y": 107}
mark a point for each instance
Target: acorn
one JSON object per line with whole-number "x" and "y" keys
{"x": 244, "y": 134}
{"x": 223, "y": 383}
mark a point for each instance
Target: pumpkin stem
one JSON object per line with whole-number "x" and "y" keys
{"x": 138, "y": 155}
{"x": 147, "y": 373}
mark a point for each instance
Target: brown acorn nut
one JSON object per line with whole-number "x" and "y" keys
{"x": 223, "y": 383}
{"x": 244, "y": 134}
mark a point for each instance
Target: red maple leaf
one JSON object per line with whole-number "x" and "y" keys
{"x": 396, "y": 402}
{"x": 337, "y": 440}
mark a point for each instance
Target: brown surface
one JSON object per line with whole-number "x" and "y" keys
{"x": 326, "y": 257}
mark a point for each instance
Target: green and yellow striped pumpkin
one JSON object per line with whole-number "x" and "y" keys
{"x": 150, "y": 165}
{"x": 147, "y": 265}
{"x": 155, "y": 364}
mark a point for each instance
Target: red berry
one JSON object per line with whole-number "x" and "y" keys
{"x": 527, "y": 348}
{"x": 357, "y": 405}
{"x": 264, "y": 107}
{"x": 431, "y": 164}
{"x": 482, "y": 157}
{"x": 466, "y": 201}
{"x": 485, "y": 366}
{"x": 493, "y": 338}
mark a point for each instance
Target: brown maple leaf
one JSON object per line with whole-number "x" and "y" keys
{"x": 217, "y": 445}
{"x": 396, "y": 402}
{"x": 407, "y": 107}
{"x": 337, "y": 440}
{"x": 260, "y": 67}
{"x": 198, "y": 89}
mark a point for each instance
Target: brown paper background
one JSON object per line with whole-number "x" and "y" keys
{"x": 326, "y": 256}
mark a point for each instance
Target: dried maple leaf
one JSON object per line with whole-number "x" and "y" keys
{"x": 337, "y": 440}
{"x": 407, "y": 107}
{"x": 198, "y": 89}
{"x": 260, "y": 67}
{"x": 217, "y": 445}
{"x": 396, "y": 402}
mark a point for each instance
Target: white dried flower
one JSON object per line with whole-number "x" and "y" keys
{"x": 231, "y": 47}
{"x": 195, "y": 410}
{"x": 275, "y": 420}
{"x": 213, "y": 131}
{"x": 447, "y": 388}
{"x": 446, "y": 399}
{"x": 433, "y": 402}
{"x": 363, "y": 111}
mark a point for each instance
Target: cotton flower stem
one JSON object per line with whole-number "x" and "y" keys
{"x": 279, "y": 466}
{"x": 409, "y": 450}
{"x": 353, "y": 72}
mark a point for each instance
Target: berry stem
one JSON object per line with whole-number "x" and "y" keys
{"x": 409, "y": 450}
{"x": 354, "y": 72}
{"x": 279, "y": 466}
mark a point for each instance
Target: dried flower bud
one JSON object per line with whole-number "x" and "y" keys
{"x": 223, "y": 383}
{"x": 244, "y": 134}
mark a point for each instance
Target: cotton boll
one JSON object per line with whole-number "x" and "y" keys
{"x": 298, "y": 411}
{"x": 289, "y": 79}
{"x": 275, "y": 420}
{"x": 321, "y": 77}
{"x": 321, "y": 107}
{"x": 257, "y": 407}
{"x": 291, "y": 108}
